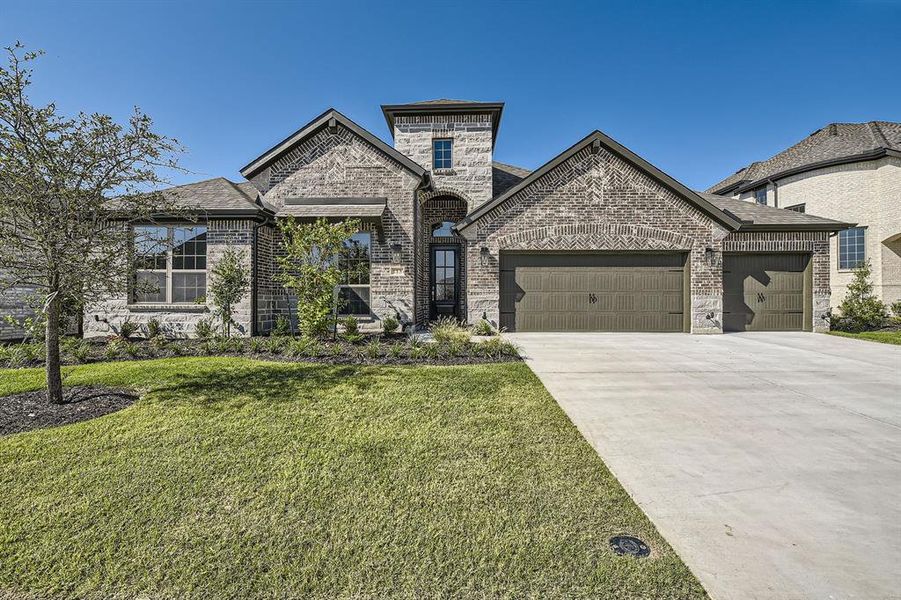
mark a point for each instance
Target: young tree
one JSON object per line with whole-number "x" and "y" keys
{"x": 59, "y": 230}
{"x": 311, "y": 267}
{"x": 860, "y": 307}
{"x": 228, "y": 286}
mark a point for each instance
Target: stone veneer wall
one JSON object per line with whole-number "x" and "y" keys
{"x": 814, "y": 242}
{"x": 341, "y": 164}
{"x": 598, "y": 202}
{"x": 471, "y": 174}
{"x": 436, "y": 207}
{"x": 14, "y": 303}
{"x": 180, "y": 320}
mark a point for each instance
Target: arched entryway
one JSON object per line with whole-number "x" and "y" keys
{"x": 441, "y": 288}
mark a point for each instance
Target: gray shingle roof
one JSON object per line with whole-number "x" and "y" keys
{"x": 753, "y": 215}
{"x": 834, "y": 142}
{"x": 504, "y": 176}
{"x": 215, "y": 195}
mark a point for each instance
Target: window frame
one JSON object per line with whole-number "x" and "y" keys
{"x": 757, "y": 194}
{"x": 798, "y": 208}
{"x": 838, "y": 249}
{"x": 169, "y": 271}
{"x": 449, "y": 159}
{"x": 357, "y": 286}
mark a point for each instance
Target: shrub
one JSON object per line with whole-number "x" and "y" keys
{"x": 159, "y": 343}
{"x": 112, "y": 349}
{"x": 257, "y": 345}
{"x": 204, "y": 329}
{"x": 81, "y": 352}
{"x": 395, "y": 350}
{"x": 390, "y": 325}
{"x": 351, "y": 325}
{"x": 178, "y": 349}
{"x": 299, "y": 347}
{"x": 374, "y": 349}
{"x": 15, "y": 355}
{"x": 483, "y": 328}
{"x": 861, "y": 309}
{"x": 448, "y": 331}
{"x": 32, "y": 352}
{"x": 275, "y": 344}
{"x": 229, "y": 281}
{"x": 282, "y": 326}
{"x": 896, "y": 308}
{"x": 127, "y": 329}
{"x": 131, "y": 349}
{"x": 153, "y": 328}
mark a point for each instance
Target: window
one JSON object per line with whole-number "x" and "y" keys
{"x": 851, "y": 247}
{"x": 760, "y": 196}
{"x": 355, "y": 265}
{"x": 796, "y": 208}
{"x": 443, "y": 229}
{"x": 441, "y": 154}
{"x": 170, "y": 264}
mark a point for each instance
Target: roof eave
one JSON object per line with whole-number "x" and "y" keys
{"x": 620, "y": 150}
{"x": 874, "y": 154}
{"x": 496, "y": 108}
{"x": 771, "y": 227}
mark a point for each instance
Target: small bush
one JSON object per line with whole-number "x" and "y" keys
{"x": 374, "y": 349}
{"x": 131, "y": 349}
{"x": 351, "y": 329}
{"x": 178, "y": 349}
{"x": 153, "y": 328}
{"x": 112, "y": 350}
{"x": 299, "y": 347}
{"x": 896, "y": 308}
{"x": 204, "y": 329}
{"x": 275, "y": 344}
{"x": 15, "y": 355}
{"x": 127, "y": 329}
{"x": 483, "y": 328}
{"x": 395, "y": 350}
{"x": 257, "y": 345}
{"x": 159, "y": 343}
{"x": 390, "y": 325}
{"x": 860, "y": 309}
{"x": 33, "y": 351}
{"x": 81, "y": 352}
{"x": 448, "y": 331}
{"x": 282, "y": 326}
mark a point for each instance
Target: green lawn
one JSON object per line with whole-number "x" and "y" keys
{"x": 885, "y": 337}
{"x": 235, "y": 478}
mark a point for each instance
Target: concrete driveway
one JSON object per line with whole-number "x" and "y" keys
{"x": 770, "y": 461}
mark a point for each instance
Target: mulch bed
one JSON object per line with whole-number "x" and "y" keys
{"x": 30, "y": 410}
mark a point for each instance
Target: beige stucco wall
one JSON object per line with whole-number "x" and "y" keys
{"x": 866, "y": 193}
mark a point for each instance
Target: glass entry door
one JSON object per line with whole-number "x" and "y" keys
{"x": 444, "y": 282}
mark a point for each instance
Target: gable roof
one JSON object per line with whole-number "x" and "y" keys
{"x": 216, "y": 196}
{"x": 316, "y": 125}
{"x": 836, "y": 143}
{"x": 757, "y": 217}
{"x": 598, "y": 139}
{"x": 443, "y": 106}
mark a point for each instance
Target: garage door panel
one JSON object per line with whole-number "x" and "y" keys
{"x": 765, "y": 292}
{"x": 592, "y": 292}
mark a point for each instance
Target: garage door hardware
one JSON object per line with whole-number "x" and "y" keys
{"x": 627, "y": 545}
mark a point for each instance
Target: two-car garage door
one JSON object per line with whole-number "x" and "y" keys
{"x": 648, "y": 292}
{"x": 593, "y": 292}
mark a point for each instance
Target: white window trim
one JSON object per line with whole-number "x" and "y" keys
{"x": 838, "y": 250}
{"x": 168, "y": 271}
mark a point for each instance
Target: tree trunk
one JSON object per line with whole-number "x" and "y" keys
{"x": 51, "y": 342}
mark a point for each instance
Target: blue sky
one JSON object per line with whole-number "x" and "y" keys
{"x": 698, "y": 89}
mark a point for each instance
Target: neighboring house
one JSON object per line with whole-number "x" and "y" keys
{"x": 845, "y": 171}
{"x": 597, "y": 239}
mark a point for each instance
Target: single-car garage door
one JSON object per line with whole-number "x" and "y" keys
{"x": 593, "y": 292}
{"x": 766, "y": 292}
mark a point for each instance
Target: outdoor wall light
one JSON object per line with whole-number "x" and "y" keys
{"x": 396, "y": 253}
{"x": 709, "y": 256}
{"x": 484, "y": 254}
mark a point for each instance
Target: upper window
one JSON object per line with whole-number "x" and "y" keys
{"x": 797, "y": 208}
{"x": 851, "y": 247}
{"x": 760, "y": 195}
{"x": 443, "y": 229}
{"x": 355, "y": 266}
{"x": 170, "y": 264}
{"x": 442, "y": 151}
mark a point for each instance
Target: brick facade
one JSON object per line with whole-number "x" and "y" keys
{"x": 598, "y": 202}
{"x": 435, "y": 207}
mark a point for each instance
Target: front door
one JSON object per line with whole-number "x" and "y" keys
{"x": 444, "y": 282}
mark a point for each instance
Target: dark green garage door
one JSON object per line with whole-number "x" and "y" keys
{"x": 766, "y": 292}
{"x": 592, "y": 292}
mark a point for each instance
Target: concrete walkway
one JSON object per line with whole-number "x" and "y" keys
{"x": 770, "y": 461}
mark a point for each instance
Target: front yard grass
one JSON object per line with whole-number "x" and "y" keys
{"x": 236, "y": 478}
{"x": 884, "y": 337}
